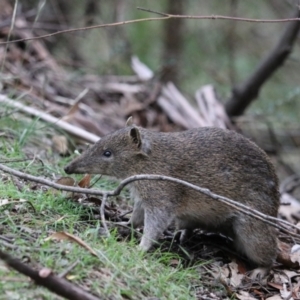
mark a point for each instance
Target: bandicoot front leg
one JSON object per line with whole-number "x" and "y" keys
{"x": 156, "y": 222}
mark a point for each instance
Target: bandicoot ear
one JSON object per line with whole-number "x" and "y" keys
{"x": 135, "y": 136}
{"x": 129, "y": 122}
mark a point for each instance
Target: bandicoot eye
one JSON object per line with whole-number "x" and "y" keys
{"x": 107, "y": 153}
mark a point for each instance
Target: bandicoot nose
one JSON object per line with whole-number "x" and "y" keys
{"x": 67, "y": 169}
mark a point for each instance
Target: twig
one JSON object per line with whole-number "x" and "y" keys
{"x": 164, "y": 16}
{"x": 76, "y": 131}
{"x": 69, "y": 269}
{"x": 84, "y": 28}
{"x": 8, "y": 245}
{"x": 236, "y": 205}
{"x": 102, "y": 215}
{"x": 59, "y": 286}
{"x": 216, "y": 17}
{"x": 9, "y": 33}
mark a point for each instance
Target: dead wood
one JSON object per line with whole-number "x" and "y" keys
{"x": 248, "y": 91}
{"x": 58, "y": 285}
{"x": 81, "y": 133}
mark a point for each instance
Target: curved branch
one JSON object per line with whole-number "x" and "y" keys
{"x": 236, "y": 205}
{"x": 246, "y": 92}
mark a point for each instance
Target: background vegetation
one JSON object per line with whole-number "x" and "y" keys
{"x": 220, "y": 52}
{"x": 190, "y": 53}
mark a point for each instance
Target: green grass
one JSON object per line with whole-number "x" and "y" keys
{"x": 120, "y": 271}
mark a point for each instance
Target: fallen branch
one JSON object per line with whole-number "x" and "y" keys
{"x": 246, "y": 92}
{"x": 76, "y": 131}
{"x": 58, "y": 285}
{"x": 236, "y": 205}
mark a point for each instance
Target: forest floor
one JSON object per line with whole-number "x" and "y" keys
{"x": 41, "y": 226}
{"x": 63, "y": 232}
{"x": 31, "y": 213}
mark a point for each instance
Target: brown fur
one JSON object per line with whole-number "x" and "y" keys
{"x": 221, "y": 160}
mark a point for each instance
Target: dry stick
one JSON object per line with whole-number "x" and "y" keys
{"x": 165, "y": 16}
{"x": 102, "y": 215}
{"x": 216, "y": 17}
{"x": 84, "y": 28}
{"x": 9, "y": 33}
{"x": 244, "y": 93}
{"x": 59, "y": 286}
{"x": 81, "y": 133}
{"x": 238, "y": 206}
{"x": 68, "y": 269}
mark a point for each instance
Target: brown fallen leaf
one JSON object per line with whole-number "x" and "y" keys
{"x": 85, "y": 181}
{"x": 68, "y": 181}
{"x": 60, "y": 144}
{"x": 70, "y": 237}
{"x": 236, "y": 277}
{"x": 285, "y": 256}
{"x": 18, "y": 204}
{"x": 295, "y": 254}
{"x": 7, "y": 201}
{"x": 174, "y": 262}
{"x": 229, "y": 273}
{"x": 276, "y": 286}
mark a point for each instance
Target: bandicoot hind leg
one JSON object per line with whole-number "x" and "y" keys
{"x": 257, "y": 240}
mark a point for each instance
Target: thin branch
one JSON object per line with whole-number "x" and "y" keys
{"x": 102, "y": 215}
{"x": 13, "y": 21}
{"x": 236, "y": 205}
{"x": 220, "y": 17}
{"x": 59, "y": 286}
{"x": 84, "y": 28}
{"x": 68, "y": 269}
{"x": 247, "y": 91}
{"x": 164, "y": 16}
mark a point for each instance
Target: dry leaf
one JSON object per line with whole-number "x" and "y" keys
{"x": 288, "y": 211}
{"x": 60, "y": 144}
{"x": 295, "y": 254}
{"x": 277, "y": 286}
{"x": 7, "y": 201}
{"x": 291, "y": 274}
{"x": 285, "y": 294}
{"x": 85, "y": 181}
{"x": 174, "y": 262}
{"x": 236, "y": 277}
{"x": 4, "y": 202}
{"x": 285, "y": 257}
{"x": 229, "y": 273}
{"x": 70, "y": 237}
{"x": 280, "y": 278}
{"x": 68, "y": 181}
